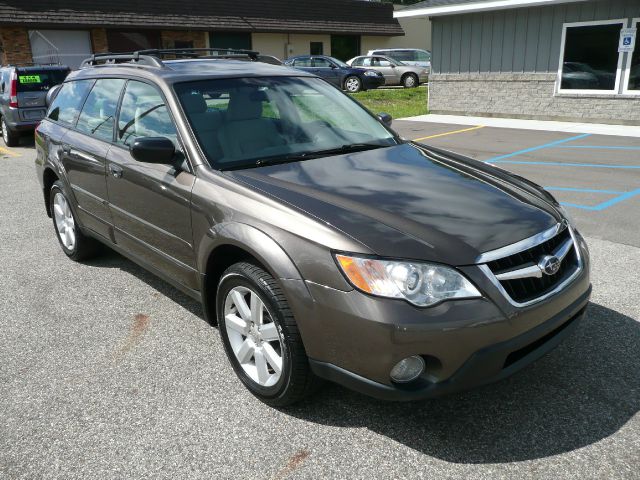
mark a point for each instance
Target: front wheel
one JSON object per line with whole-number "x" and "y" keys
{"x": 74, "y": 244}
{"x": 261, "y": 337}
{"x": 410, "y": 81}
{"x": 11, "y": 139}
{"x": 352, "y": 84}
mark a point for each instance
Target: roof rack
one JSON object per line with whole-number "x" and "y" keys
{"x": 111, "y": 59}
{"x": 33, "y": 64}
{"x": 152, "y": 57}
{"x": 196, "y": 53}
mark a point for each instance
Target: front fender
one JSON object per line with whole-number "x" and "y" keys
{"x": 262, "y": 247}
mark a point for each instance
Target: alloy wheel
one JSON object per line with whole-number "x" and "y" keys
{"x": 253, "y": 336}
{"x": 5, "y": 131}
{"x": 353, "y": 84}
{"x": 64, "y": 221}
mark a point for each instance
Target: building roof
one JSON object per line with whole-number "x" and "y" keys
{"x": 434, "y": 8}
{"x": 309, "y": 16}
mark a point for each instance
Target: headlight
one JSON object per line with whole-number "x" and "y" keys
{"x": 371, "y": 73}
{"x": 422, "y": 284}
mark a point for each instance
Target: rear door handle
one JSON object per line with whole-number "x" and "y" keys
{"x": 115, "y": 170}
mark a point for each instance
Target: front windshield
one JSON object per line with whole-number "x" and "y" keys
{"x": 242, "y": 122}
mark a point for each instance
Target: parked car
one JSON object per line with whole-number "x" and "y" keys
{"x": 22, "y": 97}
{"x": 395, "y": 73}
{"x": 578, "y": 75}
{"x": 337, "y": 72}
{"x": 270, "y": 59}
{"x": 408, "y": 56}
{"x": 321, "y": 243}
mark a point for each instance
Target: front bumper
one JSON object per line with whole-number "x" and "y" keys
{"x": 355, "y": 339}
{"x": 372, "y": 82}
{"x": 487, "y": 365}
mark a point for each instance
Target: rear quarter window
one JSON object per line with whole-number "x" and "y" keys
{"x": 39, "y": 80}
{"x": 67, "y": 104}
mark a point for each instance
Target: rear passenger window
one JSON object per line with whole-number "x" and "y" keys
{"x": 66, "y": 106}
{"x": 98, "y": 114}
{"x": 302, "y": 62}
{"x": 144, "y": 114}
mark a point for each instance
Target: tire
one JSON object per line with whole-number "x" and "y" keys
{"x": 248, "y": 346}
{"x": 11, "y": 138}
{"x": 74, "y": 244}
{"x": 410, "y": 80}
{"x": 352, "y": 84}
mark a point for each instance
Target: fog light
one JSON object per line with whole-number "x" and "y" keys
{"x": 407, "y": 369}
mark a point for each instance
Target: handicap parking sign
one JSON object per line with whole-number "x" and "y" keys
{"x": 627, "y": 40}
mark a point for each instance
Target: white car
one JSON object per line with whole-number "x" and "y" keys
{"x": 408, "y": 56}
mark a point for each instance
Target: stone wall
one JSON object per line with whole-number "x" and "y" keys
{"x": 16, "y": 48}
{"x": 528, "y": 95}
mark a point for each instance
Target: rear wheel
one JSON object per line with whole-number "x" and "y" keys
{"x": 261, "y": 337}
{"x": 410, "y": 80}
{"x": 74, "y": 244}
{"x": 11, "y": 138}
{"x": 352, "y": 84}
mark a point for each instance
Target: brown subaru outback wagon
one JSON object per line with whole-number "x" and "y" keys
{"x": 321, "y": 243}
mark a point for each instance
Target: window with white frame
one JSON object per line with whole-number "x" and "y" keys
{"x": 589, "y": 58}
{"x": 632, "y": 70}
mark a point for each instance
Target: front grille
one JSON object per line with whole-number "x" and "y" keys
{"x": 524, "y": 290}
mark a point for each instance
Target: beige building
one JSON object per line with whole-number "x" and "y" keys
{"x": 67, "y": 31}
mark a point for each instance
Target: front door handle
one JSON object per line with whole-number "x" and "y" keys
{"x": 115, "y": 170}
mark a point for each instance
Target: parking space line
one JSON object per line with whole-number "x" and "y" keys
{"x": 560, "y": 164}
{"x": 602, "y": 147}
{"x": 604, "y": 205}
{"x": 6, "y": 151}
{"x": 584, "y": 190}
{"x": 449, "y": 133}
{"x": 540, "y": 147}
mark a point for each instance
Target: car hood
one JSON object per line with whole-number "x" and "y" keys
{"x": 411, "y": 202}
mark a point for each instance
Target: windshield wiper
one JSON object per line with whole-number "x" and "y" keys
{"x": 352, "y": 147}
{"x": 296, "y": 157}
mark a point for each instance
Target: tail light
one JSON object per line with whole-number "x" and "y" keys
{"x": 13, "y": 90}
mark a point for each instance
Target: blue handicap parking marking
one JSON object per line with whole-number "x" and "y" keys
{"x": 562, "y": 144}
{"x": 618, "y": 198}
{"x": 501, "y": 158}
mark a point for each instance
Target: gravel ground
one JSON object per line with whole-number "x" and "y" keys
{"x": 107, "y": 372}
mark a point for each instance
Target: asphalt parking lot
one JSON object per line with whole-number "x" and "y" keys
{"x": 108, "y": 372}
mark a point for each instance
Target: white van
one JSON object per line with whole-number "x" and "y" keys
{"x": 408, "y": 56}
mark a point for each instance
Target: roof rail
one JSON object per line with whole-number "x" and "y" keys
{"x": 134, "y": 58}
{"x": 196, "y": 52}
{"x": 33, "y": 64}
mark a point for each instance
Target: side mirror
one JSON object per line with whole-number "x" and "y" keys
{"x": 333, "y": 66}
{"x": 153, "y": 150}
{"x": 385, "y": 118}
{"x": 51, "y": 94}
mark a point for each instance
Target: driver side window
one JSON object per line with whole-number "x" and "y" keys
{"x": 321, "y": 63}
{"x": 144, "y": 114}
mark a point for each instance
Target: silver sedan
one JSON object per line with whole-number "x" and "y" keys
{"x": 395, "y": 72}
